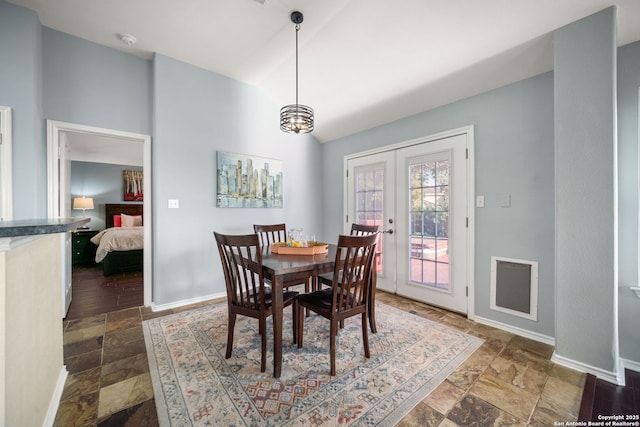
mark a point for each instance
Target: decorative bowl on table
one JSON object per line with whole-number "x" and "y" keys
{"x": 311, "y": 249}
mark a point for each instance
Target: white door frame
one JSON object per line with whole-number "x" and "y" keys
{"x": 469, "y": 132}
{"x": 55, "y": 130}
{"x": 6, "y": 186}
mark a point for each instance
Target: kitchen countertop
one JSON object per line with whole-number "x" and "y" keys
{"x": 30, "y": 227}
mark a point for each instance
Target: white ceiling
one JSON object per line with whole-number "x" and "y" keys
{"x": 96, "y": 148}
{"x": 363, "y": 63}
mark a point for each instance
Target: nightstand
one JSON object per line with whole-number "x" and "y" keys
{"x": 82, "y": 250}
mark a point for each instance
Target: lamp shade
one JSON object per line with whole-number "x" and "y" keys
{"x": 83, "y": 203}
{"x": 296, "y": 118}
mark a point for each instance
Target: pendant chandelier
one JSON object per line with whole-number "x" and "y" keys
{"x": 296, "y": 118}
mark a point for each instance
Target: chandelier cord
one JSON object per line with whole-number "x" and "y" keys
{"x": 297, "y": 29}
{"x": 296, "y": 118}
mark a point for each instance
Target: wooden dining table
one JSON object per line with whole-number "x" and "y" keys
{"x": 279, "y": 268}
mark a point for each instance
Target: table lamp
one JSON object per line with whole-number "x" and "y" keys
{"x": 83, "y": 203}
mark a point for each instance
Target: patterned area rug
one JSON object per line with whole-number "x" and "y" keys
{"x": 195, "y": 385}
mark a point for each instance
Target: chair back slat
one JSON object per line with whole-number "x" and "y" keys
{"x": 363, "y": 230}
{"x": 271, "y": 233}
{"x": 352, "y": 271}
{"x": 243, "y": 278}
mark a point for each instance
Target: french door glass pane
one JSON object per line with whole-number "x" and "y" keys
{"x": 369, "y": 193}
{"x": 429, "y": 223}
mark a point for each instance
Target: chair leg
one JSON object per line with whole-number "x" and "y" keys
{"x": 231, "y": 326}
{"x": 300, "y": 323}
{"x": 294, "y": 318}
{"x": 372, "y": 317}
{"x": 306, "y": 291}
{"x": 372, "y": 303}
{"x": 263, "y": 332}
{"x": 365, "y": 335}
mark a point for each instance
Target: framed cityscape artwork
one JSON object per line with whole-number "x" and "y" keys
{"x": 245, "y": 181}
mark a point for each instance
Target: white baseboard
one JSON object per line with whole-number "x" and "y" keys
{"x": 55, "y": 398}
{"x": 612, "y": 377}
{"x": 516, "y": 330}
{"x": 182, "y": 303}
{"x": 629, "y": 364}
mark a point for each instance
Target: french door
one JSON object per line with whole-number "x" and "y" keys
{"x": 370, "y": 201}
{"x": 419, "y": 195}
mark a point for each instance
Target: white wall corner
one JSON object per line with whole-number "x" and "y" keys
{"x": 55, "y": 398}
{"x": 612, "y": 377}
{"x": 186, "y": 302}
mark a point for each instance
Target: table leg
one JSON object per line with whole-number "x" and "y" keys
{"x": 276, "y": 293}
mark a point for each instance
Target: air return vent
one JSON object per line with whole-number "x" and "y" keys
{"x": 514, "y": 287}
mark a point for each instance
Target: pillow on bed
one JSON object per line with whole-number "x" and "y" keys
{"x": 117, "y": 221}
{"x": 131, "y": 220}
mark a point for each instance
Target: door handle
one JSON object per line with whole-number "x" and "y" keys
{"x": 390, "y": 231}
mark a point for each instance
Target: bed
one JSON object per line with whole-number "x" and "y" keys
{"x": 120, "y": 248}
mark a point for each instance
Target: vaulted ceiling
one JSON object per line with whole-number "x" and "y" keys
{"x": 363, "y": 63}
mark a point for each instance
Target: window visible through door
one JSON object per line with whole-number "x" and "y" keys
{"x": 369, "y": 194}
{"x": 429, "y": 223}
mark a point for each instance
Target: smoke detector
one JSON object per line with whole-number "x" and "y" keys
{"x": 128, "y": 39}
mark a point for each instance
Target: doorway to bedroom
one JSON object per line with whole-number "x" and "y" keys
{"x": 95, "y": 294}
{"x": 86, "y": 162}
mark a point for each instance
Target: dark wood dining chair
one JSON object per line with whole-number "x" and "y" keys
{"x": 363, "y": 230}
{"x": 348, "y": 295}
{"x": 327, "y": 279}
{"x": 273, "y": 233}
{"x": 246, "y": 291}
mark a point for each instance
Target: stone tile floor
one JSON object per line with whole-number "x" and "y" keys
{"x": 508, "y": 381}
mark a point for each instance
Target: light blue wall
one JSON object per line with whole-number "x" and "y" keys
{"x": 628, "y": 198}
{"x": 101, "y": 181}
{"x": 21, "y": 89}
{"x": 513, "y": 155}
{"x": 197, "y": 113}
{"x": 585, "y": 149}
{"x": 89, "y": 84}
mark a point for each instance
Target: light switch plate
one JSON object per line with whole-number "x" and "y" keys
{"x": 479, "y": 201}
{"x": 174, "y": 204}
